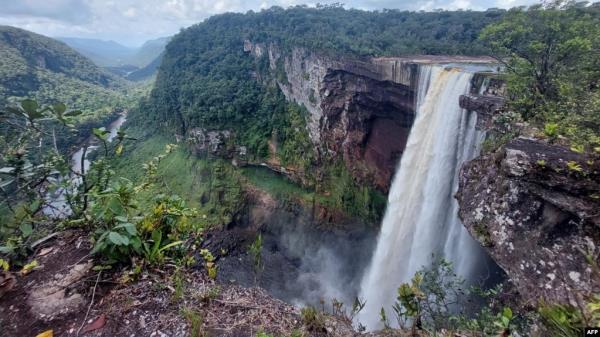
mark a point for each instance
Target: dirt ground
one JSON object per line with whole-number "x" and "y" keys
{"x": 67, "y": 295}
{"x": 57, "y": 295}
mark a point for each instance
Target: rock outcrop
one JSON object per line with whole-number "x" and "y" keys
{"x": 215, "y": 142}
{"x": 485, "y": 106}
{"x": 359, "y": 111}
{"x": 367, "y": 122}
{"x": 536, "y": 208}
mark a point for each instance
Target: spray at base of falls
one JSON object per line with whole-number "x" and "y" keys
{"x": 421, "y": 219}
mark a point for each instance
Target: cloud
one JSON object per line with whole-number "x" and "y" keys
{"x": 130, "y": 12}
{"x": 134, "y": 21}
{"x": 71, "y": 11}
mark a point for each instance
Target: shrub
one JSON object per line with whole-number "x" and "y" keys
{"x": 313, "y": 320}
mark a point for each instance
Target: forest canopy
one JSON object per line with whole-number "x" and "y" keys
{"x": 205, "y": 77}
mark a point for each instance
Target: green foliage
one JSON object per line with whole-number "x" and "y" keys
{"x": 313, "y": 320}
{"x": 503, "y": 321}
{"x": 194, "y": 319}
{"x": 346, "y": 194}
{"x": 428, "y": 298}
{"x": 151, "y": 233}
{"x": 28, "y": 168}
{"x": 436, "y": 299}
{"x": 280, "y": 74}
{"x": 552, "y": 67}
{"x": 296, "y": 147}
{"x": 276, "y": 184}
{"x": 4, "y": 265}
{"x": 331, "y": 28}
{"x": 37, "y": 66}
{"x": 154, "y": 250}
{"x": 97, "y": 199}
{"x": 209, "y": 263}
{"x": 562, "y": 320}
{"x": 211, "y": 187}
{"x": 574, "y": 166}
{"x": 551, "y": 130}
{"x": 263, "y": 334}
{"x": 384, "y": 319}
{"x": 496, "y": 140}
{"x": 211, "y": 83}
{"x": 118, "y": 243}
{"x": 255, "y": 251}
{"x": 569, "y": 321}
{"x": 205, "y": 79}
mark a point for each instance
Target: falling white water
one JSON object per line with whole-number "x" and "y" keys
{"x": 421, "y": 218}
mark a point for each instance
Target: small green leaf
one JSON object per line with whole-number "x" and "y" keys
{"x": 100, "y": 245}
{"x": 6, "y": 250}
{"x": 157, "y": 236}
{"x": 172, "y": 244}
{"x": 35, "y": 205}
{"x": 114, "y": 204}
{"x": 29, "y": 106}
{"x": 129, "y": 227}
{"x": 28, "y": 267}
{"x": 59, "y": 109}
{"x": 73, "y": 113}
{"x": 119, "y": 149}
{"x": 26, "y": 229}
{"x": 117, "y": 239}
{"x": 100, "y": 134}
{"x": 4, "y": 265}
{"x": 120, "y": 218}
{"x": 136, "y": 243}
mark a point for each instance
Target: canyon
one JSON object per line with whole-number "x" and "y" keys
{"x": 363, "y": 111}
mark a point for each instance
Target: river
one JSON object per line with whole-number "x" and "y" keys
{"x": 57, "y": 206}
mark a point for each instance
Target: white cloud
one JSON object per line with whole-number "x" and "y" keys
{"x": 130, "y": 12}
{"x": 134, "y": 21}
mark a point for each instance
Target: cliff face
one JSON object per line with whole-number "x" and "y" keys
{"x": 536, "y": 208}
{"x": 359, "y": 110}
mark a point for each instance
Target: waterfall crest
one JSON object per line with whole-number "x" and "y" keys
{"x": 421, "y": 217}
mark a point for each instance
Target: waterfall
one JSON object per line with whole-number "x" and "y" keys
{"x": 421, "y": 218}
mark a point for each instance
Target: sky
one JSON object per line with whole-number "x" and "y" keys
{"x": 131, "y": 22}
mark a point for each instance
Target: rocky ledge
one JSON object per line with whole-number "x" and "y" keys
{"x": 486, "y": 107}
{"x": 536, "y": 209}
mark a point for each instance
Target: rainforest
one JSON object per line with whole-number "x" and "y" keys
{"x": 310, "y": 170}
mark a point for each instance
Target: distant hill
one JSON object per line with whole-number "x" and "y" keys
{"x": 103, "y": 53}
{"x": 115, "y": 56}
{"x": 147, "y": 71}
{"x": 33, "y": 65}
{"x": 149, "y": 52}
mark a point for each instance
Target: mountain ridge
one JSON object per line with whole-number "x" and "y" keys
{"x": 36, "y": 66}
{"x": 109, "y": 53}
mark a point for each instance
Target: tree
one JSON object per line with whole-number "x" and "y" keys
{"x": 548, "y": 54}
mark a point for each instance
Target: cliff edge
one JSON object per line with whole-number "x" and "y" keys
{"x": 536, "y": 208}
